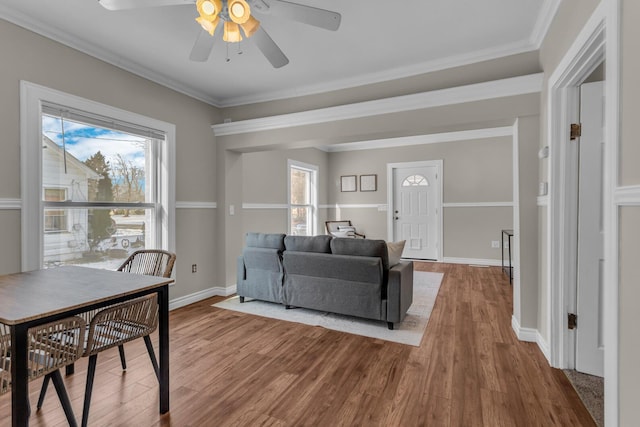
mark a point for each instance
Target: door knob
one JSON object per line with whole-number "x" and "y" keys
{"x": 397, "y": 218}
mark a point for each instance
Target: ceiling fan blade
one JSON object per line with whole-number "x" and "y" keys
{"x": 269, "y": 48}
{"x": 137, "y": 4}
{"x": 202, "y": 47}
{"x": 306, "y": 14}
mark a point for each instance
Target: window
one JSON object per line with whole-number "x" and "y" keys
{"x": 302, "y": 198}
{"x": 103, "y": 185}
{"x": 415, "y": 181}
{"x": 55, "y": 220}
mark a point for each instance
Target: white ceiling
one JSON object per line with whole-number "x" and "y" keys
{"x": 377, "y": 41}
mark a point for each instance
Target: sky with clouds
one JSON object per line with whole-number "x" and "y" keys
{"x": 83, "y": 141}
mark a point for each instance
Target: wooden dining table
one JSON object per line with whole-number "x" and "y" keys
{"x": 36, "y": 297}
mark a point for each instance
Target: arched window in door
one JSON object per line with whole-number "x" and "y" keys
{"x": 415, "y": 181}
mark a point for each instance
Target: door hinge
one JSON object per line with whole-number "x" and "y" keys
{"x": 572, "y": 320}
{"x": 576, "y": 131}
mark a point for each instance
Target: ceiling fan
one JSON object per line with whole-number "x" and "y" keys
{"x": 234, "y": 15}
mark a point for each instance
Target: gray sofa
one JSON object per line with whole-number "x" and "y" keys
{"x": 338, "y": 275}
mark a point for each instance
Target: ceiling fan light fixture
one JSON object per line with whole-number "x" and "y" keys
{"x": 239, "y": 11}
{"x": 250, "y": 27}
{"x": 231, "y": 32}
{"x": 209, "y": 9}
{"x": 208, "y": 26}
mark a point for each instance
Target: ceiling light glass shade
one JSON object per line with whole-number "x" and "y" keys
{"x": 250, "y": 27}
{"x": 209, "y": 9}
{"x": 208, "y": 26}
{"x": 231, "y": 32}
{"x": 239, "y": 11}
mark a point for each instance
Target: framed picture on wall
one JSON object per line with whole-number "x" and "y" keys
{"x": 348, "y": 183}
{"x": 368, "y": 182}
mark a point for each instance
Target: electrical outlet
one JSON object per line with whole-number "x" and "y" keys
{"x": 495, "y": 244}
{"x": 194, "y": 268}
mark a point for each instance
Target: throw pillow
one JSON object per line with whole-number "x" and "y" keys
{"x": 395, "y": 252}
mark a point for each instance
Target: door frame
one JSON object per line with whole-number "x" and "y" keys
{"x": 391, "y": 193}
{"x": 591, "y": 47}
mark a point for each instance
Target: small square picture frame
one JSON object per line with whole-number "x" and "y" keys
{"x": 348, "y": 183}
{"x": 369, "y": 182}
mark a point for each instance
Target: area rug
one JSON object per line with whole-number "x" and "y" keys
{"x": 410, "y": 331}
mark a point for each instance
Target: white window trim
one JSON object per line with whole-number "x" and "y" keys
{"x": 314, "y": 192}
{"x": 31, "y": 98}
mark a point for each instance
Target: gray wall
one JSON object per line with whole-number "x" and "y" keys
{"x": 629, "y": 317}
{"x": 473, "y": 171}
{"x": 30, "y": 57}
{"x": 264, "y": 182}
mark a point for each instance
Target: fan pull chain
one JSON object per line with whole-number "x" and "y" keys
{"x": 228, "y": 59}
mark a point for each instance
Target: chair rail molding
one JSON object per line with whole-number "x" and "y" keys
{"x": 196, "y": 205}
{"x": 627, "y": 196}
{"x": 10, "y": 204}
{"x": 478, "y": 205}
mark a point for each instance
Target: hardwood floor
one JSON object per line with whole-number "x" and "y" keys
{"x": 233, "y": 369}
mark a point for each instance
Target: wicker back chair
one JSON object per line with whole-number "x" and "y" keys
{"x": 51, "y": 347}
{"x": 150, "y": 262}
{"x": 342, "y": 229}
{"x": 115, "y": 326}
{"x": 120, "y": 323}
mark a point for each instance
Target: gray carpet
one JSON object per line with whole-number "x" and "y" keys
{"x": 591, "y": 392}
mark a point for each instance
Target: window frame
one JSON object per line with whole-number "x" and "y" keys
{"x": 32, "y": 97}
{"x": 313, "y": 194}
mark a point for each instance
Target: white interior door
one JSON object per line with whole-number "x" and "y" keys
{"x": 589, "y": 332}
{"x": 416, "y": 210}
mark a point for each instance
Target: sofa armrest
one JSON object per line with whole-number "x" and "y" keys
{"x": 241, "y": 270}
{"x": 399, "y": 291}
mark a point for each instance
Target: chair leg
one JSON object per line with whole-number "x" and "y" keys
{"x": 123, "y": 361}
{"x": 390, "y": 326}
{"x": 91, "y": 372}
{"x": 152, "y": 355}
{"x": 241, "y": 300}
{"x": 56, "y": 377}
{"x": 43, "y": 391}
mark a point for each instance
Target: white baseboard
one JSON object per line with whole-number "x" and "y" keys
{"x": 524, "y": 334}
{"x": 531, "y": 335}
{"x": 543, "y": 346}
{"x": 473, "y": 261}
{"x": 201, "y": 295}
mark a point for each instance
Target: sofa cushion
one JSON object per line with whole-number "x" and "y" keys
{"x": 263, "y": 240}
{"x": 308, "y": 243}
{"x": 361, "y": 247}
{"x": 395, "y": 252}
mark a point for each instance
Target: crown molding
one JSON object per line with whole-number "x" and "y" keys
{"x": 112, "y": 58}
{"x": 513, "y": 86}
{"x": 386, "y": 75}
{"x": 545, "y": 18}
{"x": 434, "y": 138}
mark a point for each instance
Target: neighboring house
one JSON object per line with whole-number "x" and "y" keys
{"x": 64, "y": 178}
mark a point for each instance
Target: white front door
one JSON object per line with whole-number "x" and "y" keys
{"x": 416, "y": 209}
{"x": 589, "y": 337}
